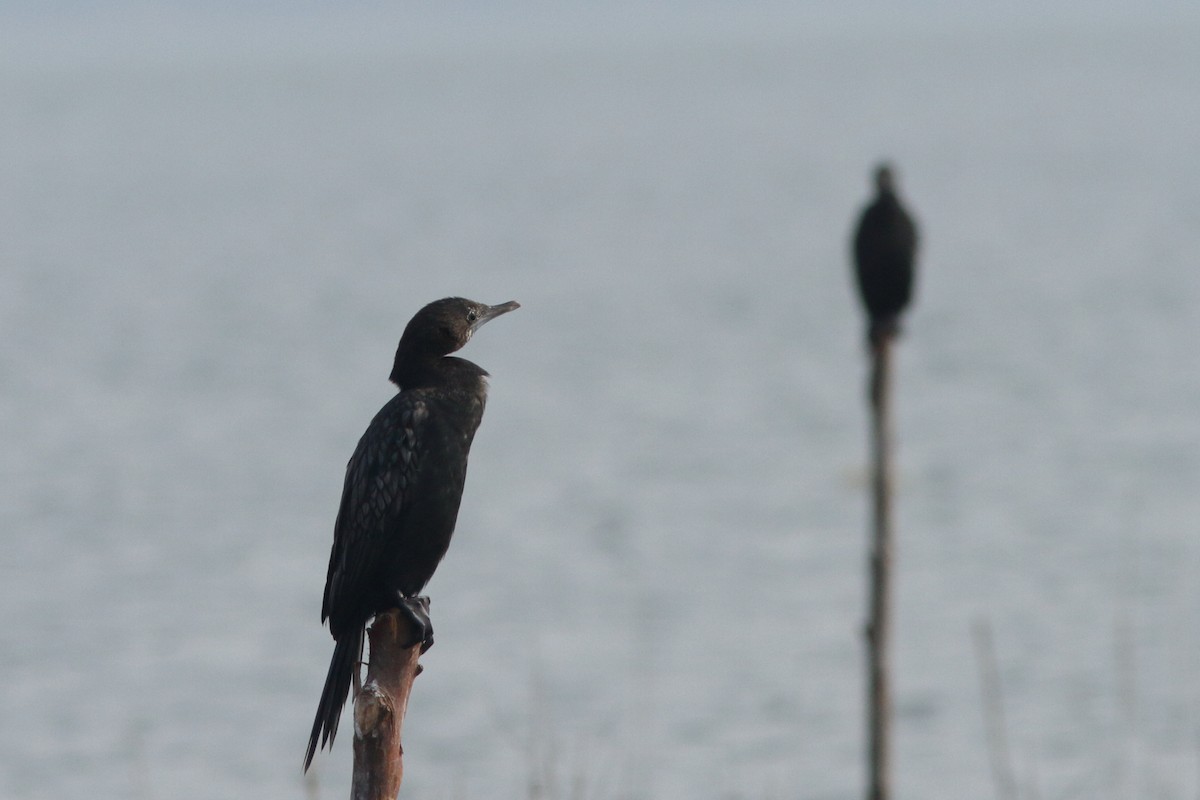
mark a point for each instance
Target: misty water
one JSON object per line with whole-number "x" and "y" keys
{"x": 216, "y": 224}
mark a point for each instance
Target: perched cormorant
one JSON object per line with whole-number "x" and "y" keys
{"x": 402, "y": 492}
{"x": 885, "y": 249}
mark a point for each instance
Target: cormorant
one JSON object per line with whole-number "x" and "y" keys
{"x": 885, "y": 249}
{"x": 402, "y": 492}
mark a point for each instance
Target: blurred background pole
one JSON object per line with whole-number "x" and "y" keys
{"x": 995, "y": 727}
{"x": 879, "y": 622}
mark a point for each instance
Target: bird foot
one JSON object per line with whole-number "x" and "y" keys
{"x": 416, "y": 610}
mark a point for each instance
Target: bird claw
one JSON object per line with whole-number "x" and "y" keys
{"x": 416, "y": 610}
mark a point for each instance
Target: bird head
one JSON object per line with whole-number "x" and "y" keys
{"x": 885, "y": 178}
{"x": 443, "y": 327}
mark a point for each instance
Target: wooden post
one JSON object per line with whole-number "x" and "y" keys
{"x": 379, "y": 709}
{"x": 879, "y": 623}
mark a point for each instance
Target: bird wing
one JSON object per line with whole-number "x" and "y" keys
{"x": 886, "y": 231}
{"x": 377, "y": 488}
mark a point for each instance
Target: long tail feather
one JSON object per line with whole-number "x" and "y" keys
{"x": 333, "y": 697}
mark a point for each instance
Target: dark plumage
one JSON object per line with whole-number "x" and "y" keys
{"x": 402, "y": 491}
{"x": 885, "y": 250}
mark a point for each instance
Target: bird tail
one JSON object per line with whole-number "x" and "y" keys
{"x": 346, "y": 653}
{"x": 882, "y": 329}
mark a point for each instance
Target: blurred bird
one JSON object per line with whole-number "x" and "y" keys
{"x": 885, "y": 249}
{"x": 403, "y": 487}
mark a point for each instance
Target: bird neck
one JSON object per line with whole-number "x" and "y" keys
{"x": 414, "y": 372}
{"x": 888, "y": 197}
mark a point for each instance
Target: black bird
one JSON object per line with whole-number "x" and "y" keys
{"x": 403, "y": 487}
{"x": 885, "y": 250}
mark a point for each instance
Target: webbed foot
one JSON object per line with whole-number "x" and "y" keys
{"x": 416, "y": 610}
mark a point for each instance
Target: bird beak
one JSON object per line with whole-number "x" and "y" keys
{"x": 494, "y": 311}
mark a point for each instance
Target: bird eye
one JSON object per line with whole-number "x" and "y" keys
{"x": 472, "y": 316}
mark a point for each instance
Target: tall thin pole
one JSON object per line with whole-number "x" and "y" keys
{"x": 879, "y": 625}
{"x": 885, "y": 249}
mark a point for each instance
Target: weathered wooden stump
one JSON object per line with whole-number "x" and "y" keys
{"x": 380, "y": 706}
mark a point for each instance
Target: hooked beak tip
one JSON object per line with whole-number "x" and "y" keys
{"x": 494, "y": 311}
